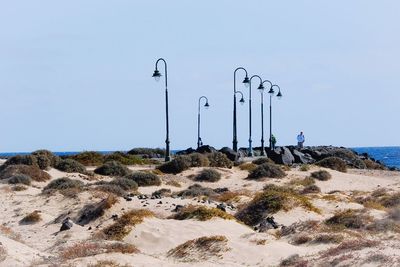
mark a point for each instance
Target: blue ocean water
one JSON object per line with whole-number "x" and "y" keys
{"x": 388, "y": 155}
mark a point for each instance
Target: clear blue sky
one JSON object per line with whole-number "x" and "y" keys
{"x": 76, "y": 75}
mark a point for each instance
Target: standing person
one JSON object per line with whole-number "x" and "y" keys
{"x": 273, "y": 142}
{"x": 300, "y": 140}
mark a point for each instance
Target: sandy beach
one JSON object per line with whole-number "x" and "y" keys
{"x": 156, "y": 236}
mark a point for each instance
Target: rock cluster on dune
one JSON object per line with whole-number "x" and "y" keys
{"x": 328, "y": 205}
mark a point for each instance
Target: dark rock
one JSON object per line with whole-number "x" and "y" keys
{"x": 302, "y": 158}
{"x": 206, "y": 149}
{"x": 114, "y": 217}
{"x": 66, "y": 224}
{"x": 267, "y": 224}
{"x": 186, "y": 152}
{"x": 220, "y": 190}
{"x": 128, "y": 198}
{"x": 221, "y": 206}
{"x": 281, "y": 155}
{"x": 159, "y": 202}
{"x": 229, "y": 152}
{"x": 177, "y": 208}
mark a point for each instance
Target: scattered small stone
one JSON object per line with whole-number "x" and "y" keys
{"x": 221, "y": 206}
{"x": 114, "y": 217}
{"x": 177, "y": 208}
{"x": 90, "y": 228}
{"x": 128, "y": 198}
{"x": 66, "y": 224}
{"x": 159, "y": 202}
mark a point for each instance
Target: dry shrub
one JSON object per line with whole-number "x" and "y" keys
{"x": 122, "y": 227}
{"x": 266, "y": 170}
{"x": 29, "y": 160}
{"x": 311, "y": 189}
{"x": 230, "y": 197}
{"x": 63, "y": 183}
{"x": 351, "y": 245}
{"x": 196, "y": 190}
{"x": 294, "y": 261}
{"x": 352, "y": 219}
{"x": 201, "y": 213}
{"x": 89, "y": 158}
{"x": 261, "y": 161}
{"x": 208, "y": 175}
{"x": 106, "y": 263}
{"x": 19, "y": 187}
{"x": 173, "y": 183}
{"x": 3, "y": 253}
{"x": 378, "y": 258}
{"x": 390, "y": 201}
{"x": 333, "y": 163}
{"x": 31, "y": 218}
{"x": 125, "y": 183}
{"x": 300, "y": 239}
{"x": 163, "y": 192}
{"x": 304, "y": 168}
{"x": 70, "y": 165}
{"x": 125, "y": 159}
{"x": 144, "y": 178}
{"x": 33, "y": 172}
{"x": 198, "y": 160}
{"x": 20, "y": 179}
{"x": 328, "y": 238}
{"x": 91, "y": 212}
{"x": 321, "y": 175}
{"x": 218, "y": 159}
{"x": 247, "y": 166}
{"x": 372, "y": 165}
{"x": 200, "y": 249}
{"x": 111, "y": 189}
{"x": 384, "y": 225}
{"x": 177, "y": 165}
{"x": 45, "y": 158}
{"x": 8, "y": 232}
{"x": 303, "y": 182}
{"x": 112, "y": 168}
{"x": 299, "y": 227}
{"x": 271, "y": 200}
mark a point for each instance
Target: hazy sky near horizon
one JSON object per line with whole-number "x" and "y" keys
{"x": 76, "y": 75}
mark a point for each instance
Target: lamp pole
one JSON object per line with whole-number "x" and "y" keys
{"x": 157, "y": 76}
{"x": 262, "y": 117}
{"x": 246, "y": 82}
{"x": 260, "y": 87}
{"x": 271, "y": 94}
{"x": 206, "y": 105}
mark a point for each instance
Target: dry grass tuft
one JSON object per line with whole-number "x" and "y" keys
{"x": 351, "y": 219}
{"x": 248, "y": 166}
{"x": 333, "y": 163}
{"x": 294, "y": 261}
{"x": 200, "y": 249}
{"x": 31, "y": 218}
{"x": 8, "y": 232}
{"x": 300, "y": 239}
{"x": 266, "y": 170}
{"x": 173, "y": 183}
{"x": 122, "y": 227}
{"x": 328, "y": 238}
{"x": 19, "y": 187}
{"x": 34, "y": 172}
{"x": 232, "y": 197}
{"x": 201, "y": 213}
{"x": 321, "y": 175}
{"x": 107, "y": 263}
{"x": 91, "y": 212}
{"x": 351, "y": 245}
{"x": 304, "y": 168}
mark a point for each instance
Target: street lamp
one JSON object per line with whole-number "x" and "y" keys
{"x": 260, "y": 87}
{"x": 262, "y": 115}
{"x": 157, "y": 75}
{"x": 246, "y": 82}
{"x": 271, "y": 94}
{"x": 206, "y": 105}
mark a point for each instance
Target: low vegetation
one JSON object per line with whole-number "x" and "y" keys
{"x": 372, "y": 165}
{"x": 196, "y": 190}
{"x": 271, "y": 200}
{"x": 349, "y": 246}
{"x": 200, "y": 249}
{"x": 304, "y": 167}
{"x": 208, "y": 175}
{"x": 89, "y": 158}
{"x": 33, "y": 172}
{"x": 29, "y": 160}
{"x": 125, "y": 183}
{"x": 350, "y": 219}
{"x": 123, "y": 226}
{"x": 247, "y": 166}
{"x": 177, "y": 165}
{"x": 32, "y": 218}
{"x": 45, "y": 159}
{"x": 311, "y": 189}
{"x": 70, "y": 165}
{"x": 261, "y": 161}
{"x": 198, "y": 160}
{"x": 266, "y": 170}
{"x": 201, "y": 213}
{"x": 163, "y": 192}
{"x": 65, "y": 185}
{"x": 144, "y": 178}
{"x": 20, "y": 179}
{"x": 321, "y": 175}
{"x": 148, "y": 152}
{"x": 112, "y": 168}
{"x": 125, "y": 159}
{"x": 91, "y": 212}
{"x": 218, "y": 159}
{"x": 333, "y": 163}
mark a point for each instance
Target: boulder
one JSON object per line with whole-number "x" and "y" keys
{"x": 186, "y": 152}
{"x": 229, "y": 152}
{"x": 206, "y": 149}
{"x": 281, "y": 155}
{"x": 302, "y": 158}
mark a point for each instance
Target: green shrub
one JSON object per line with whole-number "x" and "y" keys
{"x": 70, "y": 165}
{"x": 125, "y": 183}
{"x": 218, "y": 159}
{"x": 248, "y": 166}
{"x": 260, "y": 161}
{"x": 115, "y": 189}
{"x": 266, "y": 170}
{"x": 333, "y": 163}
{"x": 112, "y": 168}
{"x": 196, "y": 190}
{"x": 352, "y": 219}
{"x": 198, "y": 160}
{"x": 144, "y": 178}
{"x": 20, "y": 179}
{"x": 149, "y": 152}
{"x": 45, "y": 159}
{"x": 310, "y": 189}
{"x": 208, "y": 175}
{"x": 125, "y": 159}
{"x": 63, "y": 183}
{"x": 177, "y": 165}
{"x": 201, "y": 213}
{"x": 89, "y": 158}
{"x": 33, "y": 172}
{"x": 20, "y": 160}
{"x": 321, "y": 175}
{"x": 304, "y": 167}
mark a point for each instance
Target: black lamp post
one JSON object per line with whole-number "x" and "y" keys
{"x": 271, "y": 93}
{"x": 206, "y": 105}
{"x": 260, "y": 87}
{"x": 157, "y": 76}
{"x": 246, "y": 81}
{"x": 262, "y": 116}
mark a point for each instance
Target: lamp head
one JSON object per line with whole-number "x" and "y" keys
{"x": 242, "y": 101}
{"x": 271, "y": 91}
{"x": 279, "y": 95}
{"x": 206, "y": 105}
{"x": 246, "y": 82}
{"x": 261, "y": 87}
{"x": 156, "y": 75}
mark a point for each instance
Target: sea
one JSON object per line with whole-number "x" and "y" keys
{"x": 390, "y": 156}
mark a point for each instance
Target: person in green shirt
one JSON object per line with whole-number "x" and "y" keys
{"x": 273, "y": 141}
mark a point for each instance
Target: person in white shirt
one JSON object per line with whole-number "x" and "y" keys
{"x": 300, "y": 140}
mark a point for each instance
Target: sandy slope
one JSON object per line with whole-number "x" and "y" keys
{"x": 39, "y": 244}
